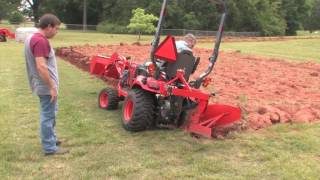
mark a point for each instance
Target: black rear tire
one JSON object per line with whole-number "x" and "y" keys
{"x": 138, "y": 110}
{"x": 108, "y": 99}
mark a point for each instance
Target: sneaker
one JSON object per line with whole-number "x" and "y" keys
{"x": 60, "y": 151}
{"x": 58, "y": 143}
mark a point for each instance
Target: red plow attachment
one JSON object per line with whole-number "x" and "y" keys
{"x": 218, "y": 115}
{"x": 215, "y": 116}
{"x": 103, "y": 66}
{"x": 6, "y": 33}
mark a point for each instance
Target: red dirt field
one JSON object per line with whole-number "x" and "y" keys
{"x": 269, "y": 91}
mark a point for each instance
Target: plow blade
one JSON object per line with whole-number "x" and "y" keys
{"x": 224, "y": 115}
{"x": 215, "y": 116}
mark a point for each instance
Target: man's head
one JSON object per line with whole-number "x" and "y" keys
{"x": 49, "y": 25}
{"x": 190, "y": 39}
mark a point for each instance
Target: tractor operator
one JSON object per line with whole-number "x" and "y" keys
{"x": 187, "y": 43}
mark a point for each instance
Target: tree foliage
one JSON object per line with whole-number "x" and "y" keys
{"x": 108, "y": 27}
{"x": 312, "y": 21}
{"x": 35, "y": 4}
{"x": 294, "y": 11}
{"x": 7, "y": 7}
{"x": 141, "y": 22}
{"x": 270, "y": 17}
{"x": 16, "y": 17}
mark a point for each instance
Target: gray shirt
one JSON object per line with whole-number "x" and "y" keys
{"x": 182, "y": 46}
{"x": 32, "y": 44}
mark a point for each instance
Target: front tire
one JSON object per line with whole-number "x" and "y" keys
{"x": 108, "y": 99}
{"x": 138, "y": 110}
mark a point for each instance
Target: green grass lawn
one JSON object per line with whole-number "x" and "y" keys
{"x": 102, "y": 149}
{"x": 308, "y": 33}
{"x": 301, "y": 50}
{"x": 68, "y": 38}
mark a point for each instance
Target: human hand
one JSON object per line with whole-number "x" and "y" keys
{"x": 53, "y": 93}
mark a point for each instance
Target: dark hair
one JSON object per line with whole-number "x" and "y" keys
{"x": 48, "y": 20}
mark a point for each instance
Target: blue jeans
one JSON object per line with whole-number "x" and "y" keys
{"x": 48, "y": 113}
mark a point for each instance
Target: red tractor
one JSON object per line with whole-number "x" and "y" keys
{"x": 158, "y": 94}
{"x": 4, "y": 33}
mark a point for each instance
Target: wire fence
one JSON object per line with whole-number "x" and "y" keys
{"x": 174, "y": 32}
{"x": 198, "y": 33}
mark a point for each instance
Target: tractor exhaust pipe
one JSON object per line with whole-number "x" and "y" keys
{"x": 213, "y": 58}
{"x": 156, "y": 39}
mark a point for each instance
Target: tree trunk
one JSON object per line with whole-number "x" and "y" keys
{"x": 139, "y": 36}
{"x": 35, "y": 10}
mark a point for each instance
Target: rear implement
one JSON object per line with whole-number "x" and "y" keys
{"x": 5, "y": 33}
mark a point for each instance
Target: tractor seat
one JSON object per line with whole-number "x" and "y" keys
{"x": 185, "y": 61}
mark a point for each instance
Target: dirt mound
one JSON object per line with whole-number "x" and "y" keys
{"x": 269, "y": 91}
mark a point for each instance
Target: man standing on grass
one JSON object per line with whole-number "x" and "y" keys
{"x": 43, "y": 79}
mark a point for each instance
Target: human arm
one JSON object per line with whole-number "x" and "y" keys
{"x": 42, "y": 68}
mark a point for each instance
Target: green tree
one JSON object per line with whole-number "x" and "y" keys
{"x": 35, "y": 4}
{"x": 312, "y": 22}
{"x": 141, "y": 22}
{"x": 256, "y": 15}
{"x": 191, "y": 22}
{"x": 71, "y": 12}
{"x": 174, "y": 15}
{"x": 294, "y": 12}
{"x": 269, "y": 21}
{"x": 16, "y": 18}
{"x": 8, "y": 6}
{"x": 270, "y": 17}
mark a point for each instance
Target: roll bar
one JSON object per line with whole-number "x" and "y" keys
{"x": 213, "y": 58}
{"x": 156, "y": 39}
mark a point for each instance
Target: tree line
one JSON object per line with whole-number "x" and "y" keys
{"x": 269, "y": 17}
